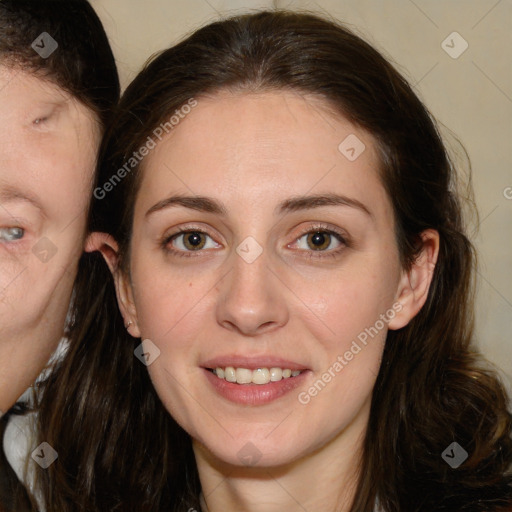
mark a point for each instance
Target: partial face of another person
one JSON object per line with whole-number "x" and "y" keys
{"x": 260, "y": 247}
{"x": 47, "y": 156}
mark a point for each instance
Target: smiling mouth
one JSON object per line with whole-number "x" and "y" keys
{"x": 257, "y": 376}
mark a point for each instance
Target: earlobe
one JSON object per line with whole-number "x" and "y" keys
{"x": 126, "y": 302}
{"x": 109, "y": 249}
{"x": 415, "y": 283}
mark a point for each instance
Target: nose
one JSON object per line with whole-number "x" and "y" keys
{"x": 252, "y": 299}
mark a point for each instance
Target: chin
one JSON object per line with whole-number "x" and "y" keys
{"x": 256, "y": 453}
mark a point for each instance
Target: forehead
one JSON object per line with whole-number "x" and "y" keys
{"x": 259, "y": 145}
{"x": 18, "y": 82}
{"x": 49, "y": 140}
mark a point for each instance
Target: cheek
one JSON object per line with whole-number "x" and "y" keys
{"x": 40, "y": 293}
{"x": 170, "y": 307}
{"x": 347, "y": 302}
{"x": 175, "y": 313}
{"x": 12, "y": 267}
{"x": 350, "y": 340}
{"x": 354, "y": 313}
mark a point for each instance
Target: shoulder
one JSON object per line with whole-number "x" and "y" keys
{"x": 20, "y": 449}
{"x": 19, "y": 437}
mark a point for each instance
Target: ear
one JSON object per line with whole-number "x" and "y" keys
{"x": 109, "y": 249}
{"x": 415, "y": 283}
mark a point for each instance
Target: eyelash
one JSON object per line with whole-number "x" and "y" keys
{"x": 342, "y": 238}
{"x": 321, "y": 228}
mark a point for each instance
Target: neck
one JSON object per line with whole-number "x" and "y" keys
{"x": 325, "y": 479}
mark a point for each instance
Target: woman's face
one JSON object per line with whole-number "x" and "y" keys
{"x": 48, "y": 151}
{"x": 264, "y": 239}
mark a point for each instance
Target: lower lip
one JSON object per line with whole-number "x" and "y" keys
{"x": 254, "y": 394}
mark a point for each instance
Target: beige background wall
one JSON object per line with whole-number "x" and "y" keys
{"x": 471, "y": 95}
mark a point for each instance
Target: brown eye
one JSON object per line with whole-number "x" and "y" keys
{"x": 189, "y": 242}
{"x": 318, "y": 240}
{"x": 321, "y": 241}
{"x": 193, "y": 240}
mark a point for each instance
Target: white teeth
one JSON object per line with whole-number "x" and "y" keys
{"x": 276, "y": 374}
{"x": 258, "y": 376}
{"x": 243, "y": 376}
{"x": 229, "y": 374}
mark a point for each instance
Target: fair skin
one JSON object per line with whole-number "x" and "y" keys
{"x": 48, "y": 152}
{"x": 250, "y": 153}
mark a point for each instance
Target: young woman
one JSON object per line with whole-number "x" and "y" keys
{"x": 58, "y": 84}
{"x": 281, "y": 221}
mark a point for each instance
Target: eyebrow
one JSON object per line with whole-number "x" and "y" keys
{"x": 316, "y": 201}
{"x": 293, "y": 204}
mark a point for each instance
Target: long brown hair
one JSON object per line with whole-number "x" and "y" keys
{"x": 119, "y": 449}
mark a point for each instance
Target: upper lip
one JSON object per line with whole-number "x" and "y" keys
{"x": 252, "y": 363}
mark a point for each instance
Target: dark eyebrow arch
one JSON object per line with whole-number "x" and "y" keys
{"x": 316, "y": 201}
{"x": 11, "y": 194}
{"x": 199, "y": 203}
{"x": 206, "y": 204}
